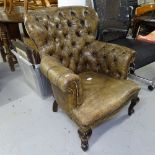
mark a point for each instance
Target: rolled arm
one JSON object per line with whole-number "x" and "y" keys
{"x": 113, "y": 59}
{"x": 60, "y": 76}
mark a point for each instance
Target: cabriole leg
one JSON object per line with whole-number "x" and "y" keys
{"x": 84, "y": 136}
{"x": 134, "y": 101}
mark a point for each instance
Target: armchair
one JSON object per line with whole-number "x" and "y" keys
{"x": 88, "y": 77}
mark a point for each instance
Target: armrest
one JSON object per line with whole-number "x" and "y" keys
{"x": 113, "y": 59}
{"x": 61, "y": 77}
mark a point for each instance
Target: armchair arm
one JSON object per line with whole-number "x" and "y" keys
{"x": 62, "y": 77}
{"x": 112, "y": 59}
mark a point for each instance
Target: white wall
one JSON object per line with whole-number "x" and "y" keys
{"x": 71, "y": 2}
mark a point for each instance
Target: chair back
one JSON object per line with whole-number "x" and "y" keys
{"x": 63, "y": 32}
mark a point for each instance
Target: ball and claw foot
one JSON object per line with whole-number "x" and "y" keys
{"x": 55, "y": 106}
{"x": 84, "y": 136}
{"x": 132, "y": 105}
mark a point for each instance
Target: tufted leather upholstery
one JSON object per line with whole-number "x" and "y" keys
{"x": 65, "y": 28}
{"x": 82, "y": 70}
{"x": 68, "y": 35}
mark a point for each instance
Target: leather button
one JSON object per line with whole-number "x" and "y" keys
{"x": 78, "y": 33}
{"x": 69, "y": 23}
{"x": 73, "y": 43}
{"x": 115, "y": 59}
{"x": 73, "y": 13}
{"x": 82, "y": 22}
{"x": 57, "y": 25}
{"x": 60, "y": 14}
{"x": 94, "y": 54}
{"x": 104, "y": 56}
{"x": 85, "y": 13}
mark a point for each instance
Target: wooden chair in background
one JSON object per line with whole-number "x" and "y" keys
{"x": 143, "y": 9}
{"x": 8, "y": 4}
{"x": 144, "y": 18}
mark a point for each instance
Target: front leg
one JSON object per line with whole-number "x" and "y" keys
{"x": 134, "y": 101}
{"x": 84, "y": 136}
{"x": 3, "y": 54}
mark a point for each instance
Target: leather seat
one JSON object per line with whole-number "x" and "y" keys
{"x": 95, "y": 105}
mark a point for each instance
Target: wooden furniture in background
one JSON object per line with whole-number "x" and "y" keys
{"x": 144, "y": 15}
{"x": 9, "y": 29}
{"x": 8, "y": 4}
{"x": 2, "y": 51}
{"x": 143, "y": 9}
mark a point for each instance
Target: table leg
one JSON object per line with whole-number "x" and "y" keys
{"x": 3, "y": 54}
{"x": 5, "y": 5}
{"x": 2, "y": 49}
{"x": 135, "y": 28}
{"x": 5, "y": 41}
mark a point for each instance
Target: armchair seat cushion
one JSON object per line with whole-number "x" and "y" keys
{"x": 103, "y": 96}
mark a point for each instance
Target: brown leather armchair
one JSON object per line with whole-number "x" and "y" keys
{"x": 88, "y": 77}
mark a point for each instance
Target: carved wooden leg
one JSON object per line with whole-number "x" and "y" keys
{"x": 55, "y": 106}
{"x": 84, "y": 136}
{"x": 10, "y": 62}
{"x": 3, "y": 54}
{"x": 10, "y": 6}
{"x": 135, "y": 28}
{"x": 5, "y": 41}
{"x": 134, "y": 101}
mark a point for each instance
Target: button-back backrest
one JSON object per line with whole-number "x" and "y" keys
{"x": 62, "y": 32}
